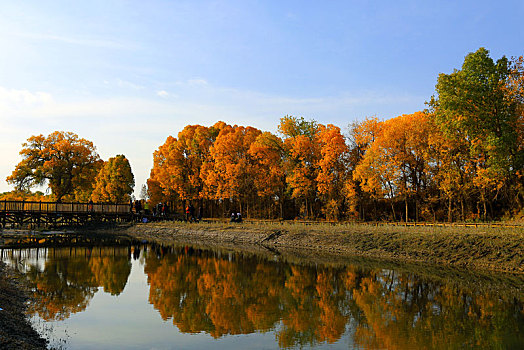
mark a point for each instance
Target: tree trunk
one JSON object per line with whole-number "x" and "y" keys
{"x": 450, "y": 218}
{"x": 407, "y": 211}
{"x": 484, "y": 205}
{"x": 393, "y": 210}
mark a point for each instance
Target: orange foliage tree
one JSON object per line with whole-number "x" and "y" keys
{"x": 67, "y": 163}
{"x": 267, "y": 151}
{"x": 115, "y": 181}
{"x": 395, "y": 165}
{"x": 230, "y": 174}
{"x": 332, "y": 169}
{"x": 361, "y": 137}
{"x": 301, "y": 159}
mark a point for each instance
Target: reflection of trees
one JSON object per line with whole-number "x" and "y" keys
{"x": 204, "y": 291}
{"x": 314, "y": 305}
{"x": 70, "y": 278}
{"x": 111, "y": 272}
{"x": 238, "y": 295}
{"x": 62, "y": 288}
{"x": 207, "y": 292}
{"x": 404, "y": 312}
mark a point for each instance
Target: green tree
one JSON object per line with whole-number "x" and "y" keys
{"x": 473, "y": 105}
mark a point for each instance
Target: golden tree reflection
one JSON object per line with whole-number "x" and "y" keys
{"x": 303, "y": 305}
{"x": 70, "y": 277}
{"x": 204, "y": 291}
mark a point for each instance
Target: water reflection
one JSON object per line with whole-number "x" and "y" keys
{"x": 70, "y": 277}
{"x": 303, "y": 305}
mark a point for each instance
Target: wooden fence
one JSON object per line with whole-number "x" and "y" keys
{"x": 28, "y": 213}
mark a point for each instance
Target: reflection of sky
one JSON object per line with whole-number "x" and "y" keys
{"x": 378, "y": 308}
{"x": 129, "y": 321}
{"x": 24, "y": 259}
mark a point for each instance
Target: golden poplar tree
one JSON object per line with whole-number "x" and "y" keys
{"x": 66, "y": 163}
{"x": 114, "y": 182}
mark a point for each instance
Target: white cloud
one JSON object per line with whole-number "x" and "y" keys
{"x": 197, "y": 82}
{"x": 136, "y": 126}
{"x": 22, "y": 99}
{"x": 129, "y": 85}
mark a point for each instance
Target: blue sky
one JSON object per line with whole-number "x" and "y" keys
{"x": 127, "y": 74}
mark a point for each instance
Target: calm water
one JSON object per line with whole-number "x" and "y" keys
{"x": 152, "y": 297}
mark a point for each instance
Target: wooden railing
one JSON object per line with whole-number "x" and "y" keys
{"x": 369, "y": 223}
{"x": 55, "y": 207}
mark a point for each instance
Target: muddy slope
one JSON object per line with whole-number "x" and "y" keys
{"x": 485, "y": 249}
{"x": 15, "y": 330}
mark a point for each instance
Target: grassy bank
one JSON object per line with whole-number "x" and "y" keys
{"x": 493, "y": 248}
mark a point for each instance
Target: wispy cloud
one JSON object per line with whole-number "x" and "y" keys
{"x": 14, "y": 99}
{"x": 81, "y": 41}
{"x": 116, "y": 122}
{"x": 200, "y": 104}
{"x": 162, "y": 93}
{"x": 129, "y": 85}
{"x": 197, "y": 82}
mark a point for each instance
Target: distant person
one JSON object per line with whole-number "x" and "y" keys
{"x": 233, "y": 217}
{"x": 239, "y": 217}
{"x": 192, "y": 212}
{"x": 200, "y": 213}
{"x": 90, "y": 206}
{"x": 188, "y": 213}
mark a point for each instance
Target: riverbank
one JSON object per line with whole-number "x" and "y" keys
{"x": 16, "y": 331}
{"x": 498, "y": 249}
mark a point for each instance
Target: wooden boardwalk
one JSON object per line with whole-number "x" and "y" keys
{"x": 36, "y": 214}
{"x": 52, "y": 214}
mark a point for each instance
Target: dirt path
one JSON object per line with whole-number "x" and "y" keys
{"x": 15, "y": 329}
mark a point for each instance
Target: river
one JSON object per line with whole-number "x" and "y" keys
{"x": 174, "y": 297}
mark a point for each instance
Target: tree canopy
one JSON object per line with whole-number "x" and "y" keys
{"x": 461, "y": 159}
{"x": 115, "y": 181}
{"x": 64, "y": 161}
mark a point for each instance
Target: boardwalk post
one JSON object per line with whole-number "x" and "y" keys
{"x": 5, "y": 213}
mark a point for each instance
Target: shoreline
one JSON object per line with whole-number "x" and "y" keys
{"x": 491, "y": 249}
{"x": 16, "y": 331}
{"x": 480, "y": 259}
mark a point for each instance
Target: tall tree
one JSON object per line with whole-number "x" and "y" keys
{"x": 301, "y": 158}
{"x": 395, "y": 165}
{"x": 361, "y": 137}
{"x": 67, "y": 163}
{"x": 114, "y": 182}
{"x": 473, "y": 104}
{"x": 178, "y": 162}
{"x": 267, "y": 152}
{"x": 332, "y": 169}
{"x": 230, "y": 175}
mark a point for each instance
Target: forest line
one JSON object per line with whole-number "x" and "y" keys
{"x": 460, "y": 159}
